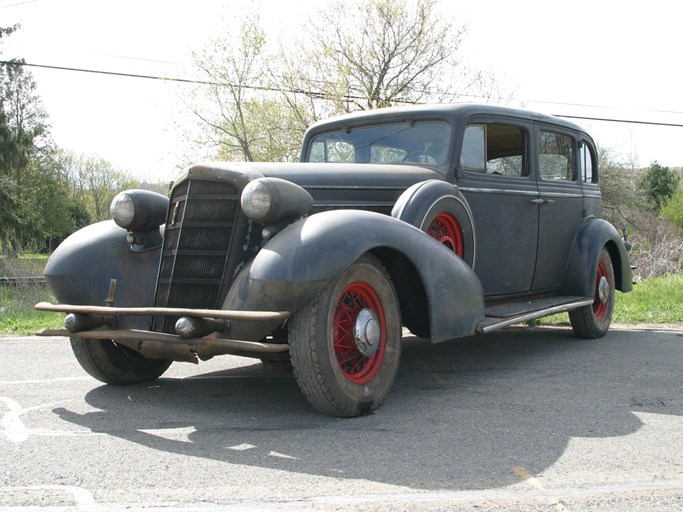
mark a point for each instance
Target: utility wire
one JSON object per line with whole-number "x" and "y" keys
{"x": 629, "y": 121}
{"x": 173, "y": 79}
{"x": 314, "y": 94}
{"x": 18, "y": 3}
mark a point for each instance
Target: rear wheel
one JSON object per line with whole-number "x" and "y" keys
{"x": 593, "y": 321}
{"x": 345, "y": 344}
{"x": 115, "y": 364}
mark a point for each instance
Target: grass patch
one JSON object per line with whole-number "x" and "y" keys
{"x": 658, "y": 300}
{"x": 17, "y": 316}
{"x": 28, "y": 265}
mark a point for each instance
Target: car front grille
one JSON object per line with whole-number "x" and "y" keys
{"x": 199, "y": 233}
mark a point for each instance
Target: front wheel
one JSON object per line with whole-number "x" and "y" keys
{"x": 345, "y": 344}
{"x": 115, "y": 364}
{"x": 593, "y": 321}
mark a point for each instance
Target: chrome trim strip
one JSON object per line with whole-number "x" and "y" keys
{"x": 522, "y": 192}
{"x": 264, "y": 316}
{"x": 137, "y": 335}
{"x": 560, "y": 194}
{"x": 499, "y": 191}
{"x": 533, "y": 315}
{"x": 352, "y": 187}
{"x": 358, "y": 205}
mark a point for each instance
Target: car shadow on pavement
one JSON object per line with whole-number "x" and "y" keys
{"x": 461, "y": 414}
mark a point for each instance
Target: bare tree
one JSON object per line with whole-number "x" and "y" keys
{"x": 373, "y": 54}
{"x": 354, "y": 55}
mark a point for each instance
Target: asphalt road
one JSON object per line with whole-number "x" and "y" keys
{"x": 532, "y": 420}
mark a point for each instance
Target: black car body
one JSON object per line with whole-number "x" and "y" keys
{"x": 450, "y": 220}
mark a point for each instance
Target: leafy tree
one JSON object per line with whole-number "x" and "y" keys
{"x": 673, "y": 211}
{"x": 92, "y": 183}
{"x": 246, "y": 121}
{"x": 659, "y": 184}
{"x": 621, "y": 201}
{"x": 25, "y": 151}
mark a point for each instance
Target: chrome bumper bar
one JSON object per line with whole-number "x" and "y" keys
{"x": 157, "y": 345}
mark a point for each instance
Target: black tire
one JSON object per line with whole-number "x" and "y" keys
{"x": 115, "y": 364}
{"x": 330, "y": 367}
{"x": 593, "y": 321}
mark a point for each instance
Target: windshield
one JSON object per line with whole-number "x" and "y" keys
{"x": 414, "y": 142}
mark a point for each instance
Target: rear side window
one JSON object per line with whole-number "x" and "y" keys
{"x": 587, "y": 165}
{"x": 494, "y": 148}
{"x": 556, "y": 156}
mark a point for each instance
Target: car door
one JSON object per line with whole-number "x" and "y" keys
{"x": 561, "y": 204}
{"x": 496, "y": 181}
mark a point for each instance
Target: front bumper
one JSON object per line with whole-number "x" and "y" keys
{"x": 156, "y": 345}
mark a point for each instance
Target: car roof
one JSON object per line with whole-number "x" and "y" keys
{"x": 448, "y": 111}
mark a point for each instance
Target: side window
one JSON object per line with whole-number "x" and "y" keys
{"x": 473, "y": 155}
{"x": 587, "y": 163}
{"x": 556, "y": 156}
{"x": 494, "y": 149}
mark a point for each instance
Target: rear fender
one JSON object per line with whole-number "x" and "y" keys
{"x": 311, "y": 253}
{"x": 594, "y": 235}
{"x": 80, "y": 269}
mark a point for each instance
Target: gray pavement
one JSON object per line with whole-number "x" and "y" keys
{"x": 517, "y": 420}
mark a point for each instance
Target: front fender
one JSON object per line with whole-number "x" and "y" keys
{"x": 79, "y": 271}
{"x": 594, "y": 235}
{"x": 311, "y": 253}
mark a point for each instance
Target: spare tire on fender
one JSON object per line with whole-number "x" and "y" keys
{"x": 440, "y": 210}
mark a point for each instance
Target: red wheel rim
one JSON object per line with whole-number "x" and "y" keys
{"x": 445, "y": 229}
{"x": 599, "y": 307}
{"x": 356, "y": 367}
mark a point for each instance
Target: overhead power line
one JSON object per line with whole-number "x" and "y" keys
{"x": 170, "y": 79}
{"x": 629, "y": 121}
{"x": 127, "y": 75}
{"x": 298, "y": 91}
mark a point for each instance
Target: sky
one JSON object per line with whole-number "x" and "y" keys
{"x": 596, "y": 59}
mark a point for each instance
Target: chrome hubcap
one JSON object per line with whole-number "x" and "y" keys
{"x": 603, "y": 290}
{"x": 366, "y": 332}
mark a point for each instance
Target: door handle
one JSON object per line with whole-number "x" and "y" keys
{"x": 542, "y": 201}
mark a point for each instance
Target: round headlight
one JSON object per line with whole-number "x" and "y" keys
{"x": 139, "y": 210}
{"x": 275, "y": 201}
{"x": 123, "y": 209}
{"x": 257, "y": 200}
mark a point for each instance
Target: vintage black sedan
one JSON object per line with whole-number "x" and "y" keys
{"x": 448, "y": 220}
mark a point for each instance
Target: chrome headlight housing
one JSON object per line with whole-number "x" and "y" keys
{"x": 275, "y": 201}
{"x": 139, "y": 210}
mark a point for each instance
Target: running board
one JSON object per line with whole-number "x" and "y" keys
{"x": 500, "y": 316}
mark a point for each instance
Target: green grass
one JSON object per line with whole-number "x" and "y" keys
{"x": 28, "y": 265}
{"x": 17, "y": 315}
{"x": 658, "y": 300}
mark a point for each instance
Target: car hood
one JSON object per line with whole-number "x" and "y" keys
{"x": 333, "y": 175}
